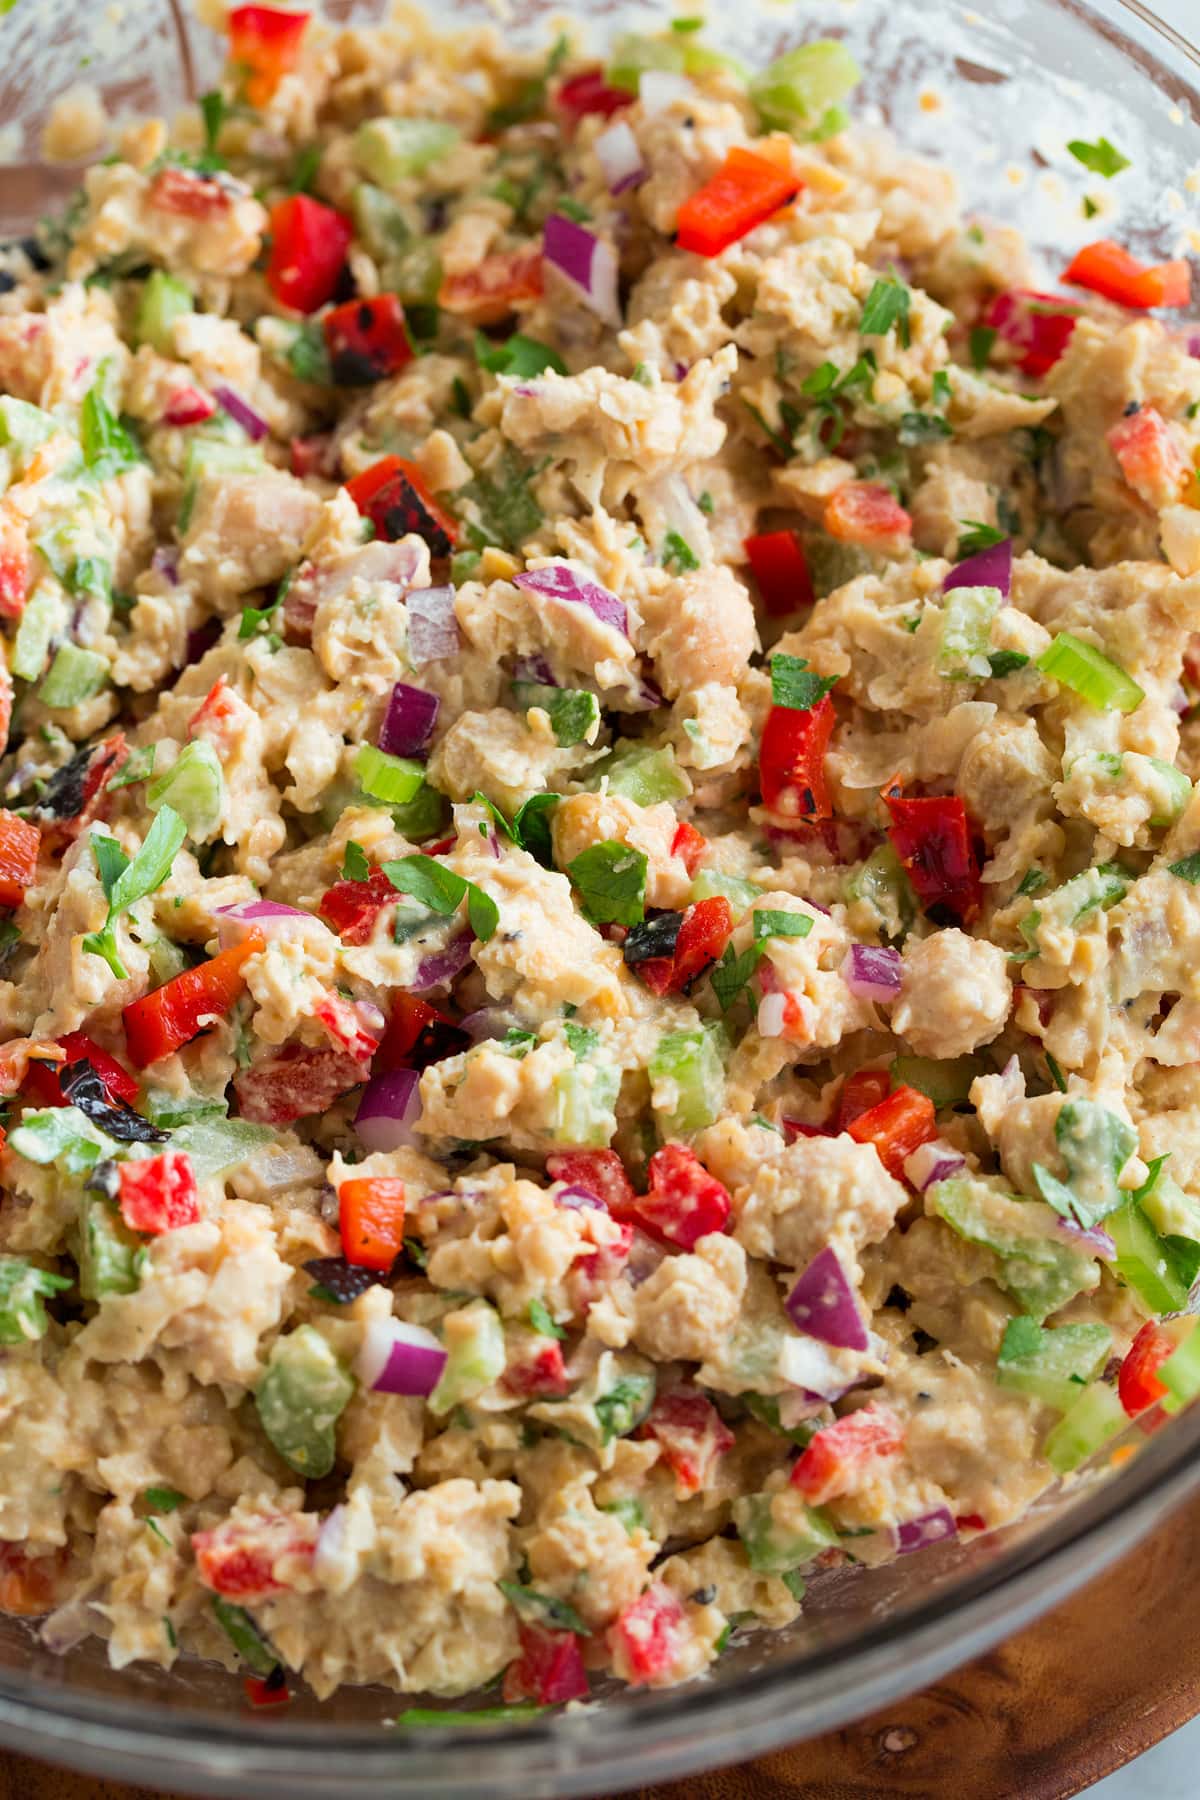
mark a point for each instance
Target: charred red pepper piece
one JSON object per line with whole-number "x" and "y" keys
{"x": 309, "y": 242}
{"x": 932, "y": 837}
{"x": 393, "y": 495}
{"x": 366, "y": 340}
{"x": 896, "y": 1126}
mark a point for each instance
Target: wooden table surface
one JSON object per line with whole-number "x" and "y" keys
{"x": 1066, "y": 1701}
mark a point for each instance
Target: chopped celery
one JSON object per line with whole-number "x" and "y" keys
{"x": 1181, "y": 1372}
{"x": 1090, "y": 674}
{"x": 773, "y": 1548}
{"x": 300, "y": 1399}
{"x": 631, "y": 1512}
{"x": 75, "y": 675}
{"x": 633, "y": 55}
{"x": 584, "y": 1098}
{"x": 61, "y": 1135}
{"x": 1171, "y": 1212}
{"x": 164, "y": 299}
{"x": 23, "y": 426}
{"x": 44, "y": 613}
{"x": 109, "y": 1253}
{"x": 1051, "y": 1364}
{"x": 574, "y": 713}
{"x": 687, "y": 1081}
{"x": 1176, "y": 791}
{"x": 394, "y": 779}
{"x": 195, "y": 786}
{"x": 23, "y": 1288}
{"x": 795, "y": 91}
{"x": 474, "y": 1342}
{"x": 167, "y": 960}
{"x": 421, "y": 817}
{"x": 381, "y": 221}
{"x": 1096, "y": 1417}
{"x": 1145, "y": 1261}
{"x": 214, "y": 1145}
{"x": 967, "y": 615}
{"x": 388, "y": 150}
{"x": 882, "y": 884}
{"x": 947, "y": 1083}
{"x": 415, "y": 273}
{"x": 1095, "y": 1145}
{"x": 643, "y": 775}
{"x": 765, "y": 1408}
{"x": 740, "y": 894}
{"x": 1037, "y": 1266}
{"x": 624, "y": 1406}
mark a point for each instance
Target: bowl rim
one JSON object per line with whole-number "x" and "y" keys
{"x": 628, "y": 1741}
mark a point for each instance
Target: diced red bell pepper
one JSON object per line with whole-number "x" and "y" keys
{"x": 309, "y": 242}
{"x": 416, "y": 1035}
{"x": 238, "y": 1558}
{"x": 932, "y": 837}
{"x": 19, "y": 843}
{"x": 690, "y": 846}
{"x": 706, "y": 929}
{"x": 598, "y": 1172}
{"x": 971, "y": 1522}
{"x": 95, "y": 800}
{"x": 392, "y": 493}
{"x": 366, "y": 340}
{"x": 1107, "y": 268}
{"x": 188, "y": 192}
{"x": 1137, "y": 1384}
{"x": 43, "y": 1088}
{"x": 841, "y": 1457}
{"x": 1151, "y": 461}
{"x": 266, "y": 1690}
{"x": 159, "y": 1194}
{"x": 299, "y": 1083}
{"x": 588, "y": 92}
{"x": 30, "y": 1585}
{"x": 1038, "y": 326}
{"x": 867, "y": 513}
{"x": 781, "y": 571}
{"x": 791, "y": 760}
{"x": 352, "y": 907}
{"x": 216, "y": 711}
{"x": 173, "y": 1014}
{"x": 860, "y": 1092}
{"x": 350, "y": 1025}
{"x": 188, "y": 406}
{"x": 549, "y": 1669}
{"x": 311, "y": 456}
{"x": 266, "y": 43}
{"x": 647, "y": 1638}
{"x": 745, "y": 190}
{"x": 691, "y": 1435}
{"x": 542, "y": 1373}
{"x": 491, "y": 290}
{"x": 15, "y": 573}
{"x": 896, "y": 1126}
{"x": 371, "y": 1220}
{"x": 685, "y": 1202}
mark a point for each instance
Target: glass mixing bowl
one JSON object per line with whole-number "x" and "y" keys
{"x": 997, "y": 98}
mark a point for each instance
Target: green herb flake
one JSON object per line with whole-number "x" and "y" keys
{"x": 519, "y": 356}
{"x": 888, "y": 304}
{"x": 979, "y": 345}
{"x": 769, "y": 924}
{"x": 125, "y": 882}
{"x": 162, "y": 1499}
{"x": 706, "y": 504}
{"x": 355, "y": 866}
{"x": 974, "y": 535}
{"x": 678, "y": 554}
{"x": 1102, "y": 158}
{"x": 138, "y": 766}
{"x": 442, "y": 891}
{"x": 1187, "y": 869}
{"x": 212, "y": 111}
{"x": 795, "y": 686}
{"x": 1056, "y": 1074}
{"x": 543, "y": 1609}
{"x": 610, "y": 879}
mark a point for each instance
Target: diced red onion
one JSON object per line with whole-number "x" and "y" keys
{"x": 329, "y": 1556}
{"x": 649, "y": 697}
{"x": 620, "y": 158}
{"x": 1193, "y": 344}
{"x": 398, "y": 1358}
{"x": 823, "y": 1304}
{"x": 432, "y": 626}
{"x": 440, "y": 969}
{"x": 268, "y": 916}
{"x": 659, "y": 88}
{"x": 579, "y": 1199}
{"x": 932, "y": 1162}
{"x": 808, "y": 1365}
{"x": 67, "y": 1626}
{"x": 243, "y": 414}
{"x": 1093, "y": 1237}
{"x": 409, "y": 721}
{"x": 586, "y": 261}
{"x": 873, "y": 973}
{"x": 929, "y": 1528}
{"x": 559, "y": 581}
{"x": 487, "y": 1022}
{"x": 645, "y": 1256}
{"x": 987, "y": 568}
{"x": 200, "y": 641}
{"x": 771, "y": 1016}
{"x": 388, "y": 1110}
{"x": 165, "y": 562}
{"x": 534, "y": 668}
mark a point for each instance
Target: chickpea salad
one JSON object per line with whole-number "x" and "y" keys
{"x": 599, "y": 863}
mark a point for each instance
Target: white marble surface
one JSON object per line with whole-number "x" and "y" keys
{"x": 1171, "y": 1771}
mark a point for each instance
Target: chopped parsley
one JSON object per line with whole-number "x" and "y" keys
{"x": 125, "y": 882}
{"x": 1188, "y": 869}
{"x": 355, "y": 866}
{"x": 733, "y": 973}
{"x": 1102, "y": 158}
{"x": 1056, "y": 1074}
{"x": 979, "y": 345}
{"x": 706, "y": 503}
{"x": 162, "y": 1499}
{"x": 610, "y": 880}
{"x": 542, "y": 1321}
{"x": 138, "y": 766}
{"x": 1006, "y": 662}
{"x": 922, "y": 428}
{"x": 443, "y": 892}
{"x": 530, "y": 827}
{"x": 974, "y": 535}
{"x": 888, "y": 304}
{"x": 308, "y": 354}
{"x": 1089, "y": 207}
{"x": 795, "y": 685}
{"x": 212, "y": 111}
{"x": 108, "y": 448}
{"x": 678, "y": 554}
{"x": 543, "y": 1609}
{"x": 520, "y": 355}
{"x": 643, "y": 374}
{"x": 304, "y": 169}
